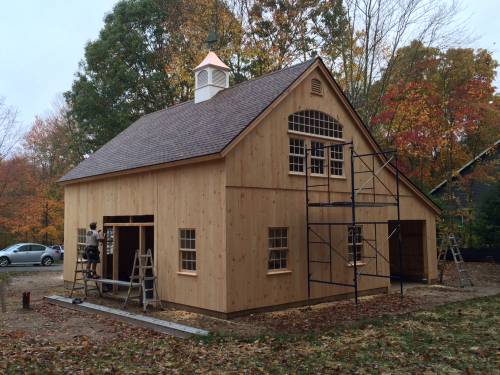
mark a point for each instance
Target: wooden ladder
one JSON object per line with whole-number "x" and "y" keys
{"x": 144, "y": 279}
{"x": 81, "y": 275}
{"x": 450, "y": 244}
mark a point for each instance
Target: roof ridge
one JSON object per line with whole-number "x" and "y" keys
{"x": 273, "y": 72}
{"x": 467, "y": 164}
{"x": 232, "y": 87}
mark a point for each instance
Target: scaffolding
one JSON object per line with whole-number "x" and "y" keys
{"x": 371, "y": 165}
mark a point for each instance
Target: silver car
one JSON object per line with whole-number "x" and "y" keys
{"x": 28, "y": 253}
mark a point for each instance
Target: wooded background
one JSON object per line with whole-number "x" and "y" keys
{"x": 401, "y": 63}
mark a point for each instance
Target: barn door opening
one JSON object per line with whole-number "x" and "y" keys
{"x": 412, "y": 234}
{"x": 124, "y": 236}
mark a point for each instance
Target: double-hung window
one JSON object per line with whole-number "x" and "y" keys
{"x": 355, "y": 242}
{"x": 187, "y": 250}
{"x": 337, "y": 160}
{"x": 296, "y": 155}
{"x": 317, "y": 158}
{"x": 81, "y": 240}
{"x": 278, "y": 249}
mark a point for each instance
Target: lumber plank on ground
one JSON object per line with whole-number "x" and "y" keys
{"x": 158, "y": 325}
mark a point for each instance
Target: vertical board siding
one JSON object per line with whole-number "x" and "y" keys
{"x": 190, "y": 196}
{"x": 261, "y": 193}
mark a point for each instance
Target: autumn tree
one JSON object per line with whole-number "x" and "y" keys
{"x": 359, "y": 40}
{"x": 437, "y": 114}
{"x": 48, "y": 148}
{"x": 18, "y": 194}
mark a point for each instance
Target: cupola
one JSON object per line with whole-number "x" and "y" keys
{"x": 211, "y": 76}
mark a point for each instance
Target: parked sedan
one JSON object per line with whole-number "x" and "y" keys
{"x": 60, "y": 248}
{"x": 28, "y": 253}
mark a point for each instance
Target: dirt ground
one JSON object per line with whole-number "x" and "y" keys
{"x": 58, "y": 324}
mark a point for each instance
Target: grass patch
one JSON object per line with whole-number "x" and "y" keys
{"x": 455, "y": 338}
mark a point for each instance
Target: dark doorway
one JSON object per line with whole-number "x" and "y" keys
{"x": 149, "y": 239}
{"x": 412, "y": 233}
{"x": 128, "y": 242}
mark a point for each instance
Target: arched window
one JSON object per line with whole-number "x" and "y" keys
{"x": 219, "y": 78}
{"x": 202, "y": 78}
{"x": 315, "y": 123}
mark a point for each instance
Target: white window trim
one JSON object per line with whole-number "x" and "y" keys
{"x": 307, "y": 143}
{"x": 287, "y": 248}
{"x": 334, "y": 121}
{"x": 303, "y": 156}
{"x": 360, "y": 244}
{"x": 309, "y": 135}
{"x": 337, "y": 160}
{"x": 78, "y": 243}
{"x": 183, "y": 271}
{"x": 324, "y": 158}
{"x": 279, "y": 272}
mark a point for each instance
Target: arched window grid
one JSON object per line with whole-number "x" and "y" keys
{"x": 315, "y": 123}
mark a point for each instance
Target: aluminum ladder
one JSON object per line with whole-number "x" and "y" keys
{"x": 451, "y": 244}
{"x": 82, "y": 275}
{"x": 143, "y": 274}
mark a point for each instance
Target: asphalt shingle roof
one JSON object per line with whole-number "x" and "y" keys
{"x": 188, "y": 130}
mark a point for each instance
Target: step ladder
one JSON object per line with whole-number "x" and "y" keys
{"x": 143, "y": 278}
{"x": 82, "y": 278}
{"x": 449, "y": 243}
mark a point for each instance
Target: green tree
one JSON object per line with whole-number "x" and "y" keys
{"x": 487, "y": 218}
{"x": 142, "y": 62}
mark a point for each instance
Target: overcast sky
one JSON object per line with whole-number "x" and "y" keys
{"x": 42, "y": 42}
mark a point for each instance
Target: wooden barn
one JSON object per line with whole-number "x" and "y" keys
{"x": 266, "y": 194}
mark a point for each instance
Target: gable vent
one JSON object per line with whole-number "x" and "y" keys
{"x": 316, "y": 87}
{"x": 219, "y": 78}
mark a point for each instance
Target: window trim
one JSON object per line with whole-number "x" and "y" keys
{"x": 182, "y": 250}
{"x": 331, "y": 160}
{"x": 340, "y": 128}
{"x": 277, "y": 271}
{"x": 296, "y": 132}
{"x": 303, "y": 156}
{"x": 80, "y": 244}
{"x": 359, "y": 261}
{"x": 327, "y": 161}
{"x": 323, "y": 158}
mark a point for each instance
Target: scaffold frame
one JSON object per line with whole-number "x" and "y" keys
{"x": 386, "y": 159}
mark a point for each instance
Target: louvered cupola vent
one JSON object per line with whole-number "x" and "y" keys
{"x": 211, "y": 76}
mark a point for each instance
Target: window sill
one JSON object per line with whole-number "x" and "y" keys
{"x": 316, "y": 136}
{"x": 358, "y": 264}
{"x": 317, "y": 175}
{"x": 282, "y": 272}
{"x": 185, "y": 273}
{"x": 325, "y": 176}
